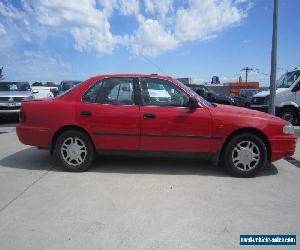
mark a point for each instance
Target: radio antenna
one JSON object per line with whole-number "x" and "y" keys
{"x": 155, "y": 65}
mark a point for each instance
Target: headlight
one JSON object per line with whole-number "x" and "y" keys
{"x": 288, "y": 129}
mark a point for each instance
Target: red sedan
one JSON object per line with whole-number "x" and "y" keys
{"x": 153, "y": 113}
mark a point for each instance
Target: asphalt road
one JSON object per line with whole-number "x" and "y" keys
{"x": 138, "y": 203}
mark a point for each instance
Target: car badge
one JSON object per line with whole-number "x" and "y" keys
{"x": 11, "y": 99}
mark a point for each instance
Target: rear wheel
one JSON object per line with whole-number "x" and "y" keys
{"x": 289, "y": 115}
{"x": 75, "y": 150}
{"x": 244, "y": 155}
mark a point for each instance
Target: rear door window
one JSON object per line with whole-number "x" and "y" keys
{"x": 116, "y": 91}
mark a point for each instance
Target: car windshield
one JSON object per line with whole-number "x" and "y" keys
{"x": 14, "y": 86}
{"x": 286, "y": 80}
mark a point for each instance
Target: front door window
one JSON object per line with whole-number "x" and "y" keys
{"x": 158, "y": 92}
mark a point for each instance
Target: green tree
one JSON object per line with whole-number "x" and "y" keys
{"x": 35, "y": 84}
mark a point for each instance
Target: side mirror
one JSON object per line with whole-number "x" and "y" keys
{"x": 54, "y": 91}
{"x": 193, "y": 103}
{"x": 35, "y": 91}
{"x": 296, "y": 88}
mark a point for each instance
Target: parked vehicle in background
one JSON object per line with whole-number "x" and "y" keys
{"x": 126, "y": 112}
{"x": 43, "y": 91}
{"x": 243, "y": 99}
{"x": 157, "y": 93}
{"x": 12, "y": 93}
{"x": 287, "y": 98}
{"x": 211, "y": 96}
{"x": 64, "y": 86}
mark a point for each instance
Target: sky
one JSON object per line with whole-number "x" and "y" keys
{"x": 57, "y": 40}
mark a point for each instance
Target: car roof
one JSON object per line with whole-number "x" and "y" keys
{"x": 132, "y": 75}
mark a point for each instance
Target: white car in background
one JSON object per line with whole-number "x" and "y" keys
{"x": 40, "y": 92}
{"x": 12, "y": 93}
{"x": 158, "y": 93}
{"x": 287, "y": 98}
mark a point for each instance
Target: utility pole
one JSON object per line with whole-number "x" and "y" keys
{"x": 247, "y": 69}
{"x": 273, "y": 60}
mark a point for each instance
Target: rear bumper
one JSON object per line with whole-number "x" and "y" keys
{"x": 282, "y": 146}
{"x": 39, "y": 137}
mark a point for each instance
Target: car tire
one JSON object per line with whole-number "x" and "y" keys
{"x": 289, "y": 115}
{"x": 75, "y": 151}
{"x": 245, "y": 155}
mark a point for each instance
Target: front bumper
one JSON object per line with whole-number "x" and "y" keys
{"x": 9, "y": 112}
{"x": 282, "y": 146}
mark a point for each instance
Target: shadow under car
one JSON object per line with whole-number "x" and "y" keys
{"x": 34, "y": 159}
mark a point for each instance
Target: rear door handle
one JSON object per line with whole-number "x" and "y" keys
{"x": 149, "y": 116}
{"x": 85, "y": 113}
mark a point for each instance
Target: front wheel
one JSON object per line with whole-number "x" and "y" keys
{"x": 245, "y": 155}
{"x": 75, "y": 150}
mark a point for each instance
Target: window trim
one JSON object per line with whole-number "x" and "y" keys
{"x": 137, "y": 92}
{"x": 110, "y": 77}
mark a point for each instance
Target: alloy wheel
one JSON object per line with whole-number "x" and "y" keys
{"x": 246, "y": 155}
{"x": 73, "y": 151}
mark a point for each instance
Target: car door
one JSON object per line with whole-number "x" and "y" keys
{"x": 109, "y": 109}
{"x": 167, "y": 123}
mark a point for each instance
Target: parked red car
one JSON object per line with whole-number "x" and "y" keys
{"x": 138, "y": 113}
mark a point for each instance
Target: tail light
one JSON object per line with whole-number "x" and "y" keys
{"x": 22, "y": 116}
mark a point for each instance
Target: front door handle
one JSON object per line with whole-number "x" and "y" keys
{"x": 149, "y": 116}
{"x": 85, "y": 113}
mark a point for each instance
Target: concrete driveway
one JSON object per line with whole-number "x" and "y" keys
{"x": 138, "y": 203}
